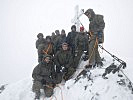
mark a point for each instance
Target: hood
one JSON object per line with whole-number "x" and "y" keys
{"x": 90, "y": 11}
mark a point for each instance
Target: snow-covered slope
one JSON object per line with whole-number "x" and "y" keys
{"x": 84, "y": 89}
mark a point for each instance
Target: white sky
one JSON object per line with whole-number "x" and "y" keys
{"x": 22, "y": 20}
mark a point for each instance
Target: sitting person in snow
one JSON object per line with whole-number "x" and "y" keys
{"x": 64, "y": 60}
{"x": 43, "y": 75}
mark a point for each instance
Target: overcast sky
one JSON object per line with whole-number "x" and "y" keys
{"x": 22, "y": 20}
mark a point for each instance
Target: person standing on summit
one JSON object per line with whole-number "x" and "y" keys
{"x": 96, "y": 28}
{"x": 71, "y": 38}
{"x": 81, "y": 45}
{"x": 40, "y": 40}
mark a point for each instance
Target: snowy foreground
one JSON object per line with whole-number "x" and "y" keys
{"x": 84, "y": 89}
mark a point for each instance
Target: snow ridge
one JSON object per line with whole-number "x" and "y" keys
{"x": 85, "y": 88}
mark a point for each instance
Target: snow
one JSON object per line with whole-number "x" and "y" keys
{"x": 84, "y": 89}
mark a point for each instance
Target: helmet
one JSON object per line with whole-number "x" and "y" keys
{"x": 73, "y": 26}
{"x": 40, "y": 34}
{"x": 57, "y": 31}
{"x": 48, "y": 37}
{"x": 46, "y": 55}
{"x": 62, "y": 31}
{"x": 64, "y": 43}
{"x": 90, "y": 11}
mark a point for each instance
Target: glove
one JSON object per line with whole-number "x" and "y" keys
{"x": 86, "y": 57}
{"x": 85, "y": 51}
{"x": 64, "y": 70}
{"x": 58, "y": 69}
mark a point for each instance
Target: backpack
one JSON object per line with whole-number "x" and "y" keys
{"x": 100, "y": 37}
{"x": 100, "y": 33}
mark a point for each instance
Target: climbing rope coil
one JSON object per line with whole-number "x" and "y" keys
{"x": 53, "y": 96}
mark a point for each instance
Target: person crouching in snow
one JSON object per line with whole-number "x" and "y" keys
{"x": 64, "y": 60}
{"x": 43, "y": 75}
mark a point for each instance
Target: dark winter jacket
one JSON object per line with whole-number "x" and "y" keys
{"x": 40, "y": 41}
{"x": 81, "y": 42}
{"x": 71, "y": 38}
{"x": 96, "y": 24}
{"x": 53, "y": 37}
{"x": 61, "y": 40}
{"x": 56, "y": 43}
{"x": 64, "y": 58}
{"x": 43, "y": 71}
{"x": 47, "y": 48}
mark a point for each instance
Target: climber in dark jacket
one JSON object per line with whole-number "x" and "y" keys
{"x": 64, "y": 62}
{"x": 71, "y": 38}
{"x": 40, "y": 40}
{"x": 43, "y": 75}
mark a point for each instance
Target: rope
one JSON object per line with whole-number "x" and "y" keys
{"x": 101, "y": 50}
{"x": 46, "y": 52}
{"x": 96, "y": 43}
{"x": 102, "y": 41}
{"x": 50, "y": 88}
{"x": 54, "y": 95}
{"x": 51, "y": 97}
{"x": 61, "y": 92}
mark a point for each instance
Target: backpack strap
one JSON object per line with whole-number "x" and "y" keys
{"x": 47, "y": 50}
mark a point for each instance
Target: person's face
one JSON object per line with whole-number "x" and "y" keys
{"x": 65, "y": 47}
{"x": 57, "y": 33}
{"x": 40, "y": 37}
{"x": 73, "y": 29}
{"x": 47, "y": 59}
{"x": 88, "y": 15}
{"x": 48, "y": 40}
{"x": 63, "y": 34}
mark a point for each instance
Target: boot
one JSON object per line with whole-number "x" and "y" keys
{"x": 99, "y": 64}
{"x": 37, "y": 96}
{"x": 104, "y": 76}
{"x": 88, "y": 66}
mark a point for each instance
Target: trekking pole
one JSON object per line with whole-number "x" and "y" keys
{"x": 130, "y": 82}
{"x": 127, "y": 77}
{"x": 116, "y": 58}
{"x": 122, "y": 64}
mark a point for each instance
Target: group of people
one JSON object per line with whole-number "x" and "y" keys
{"x": 59, "y": 55}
